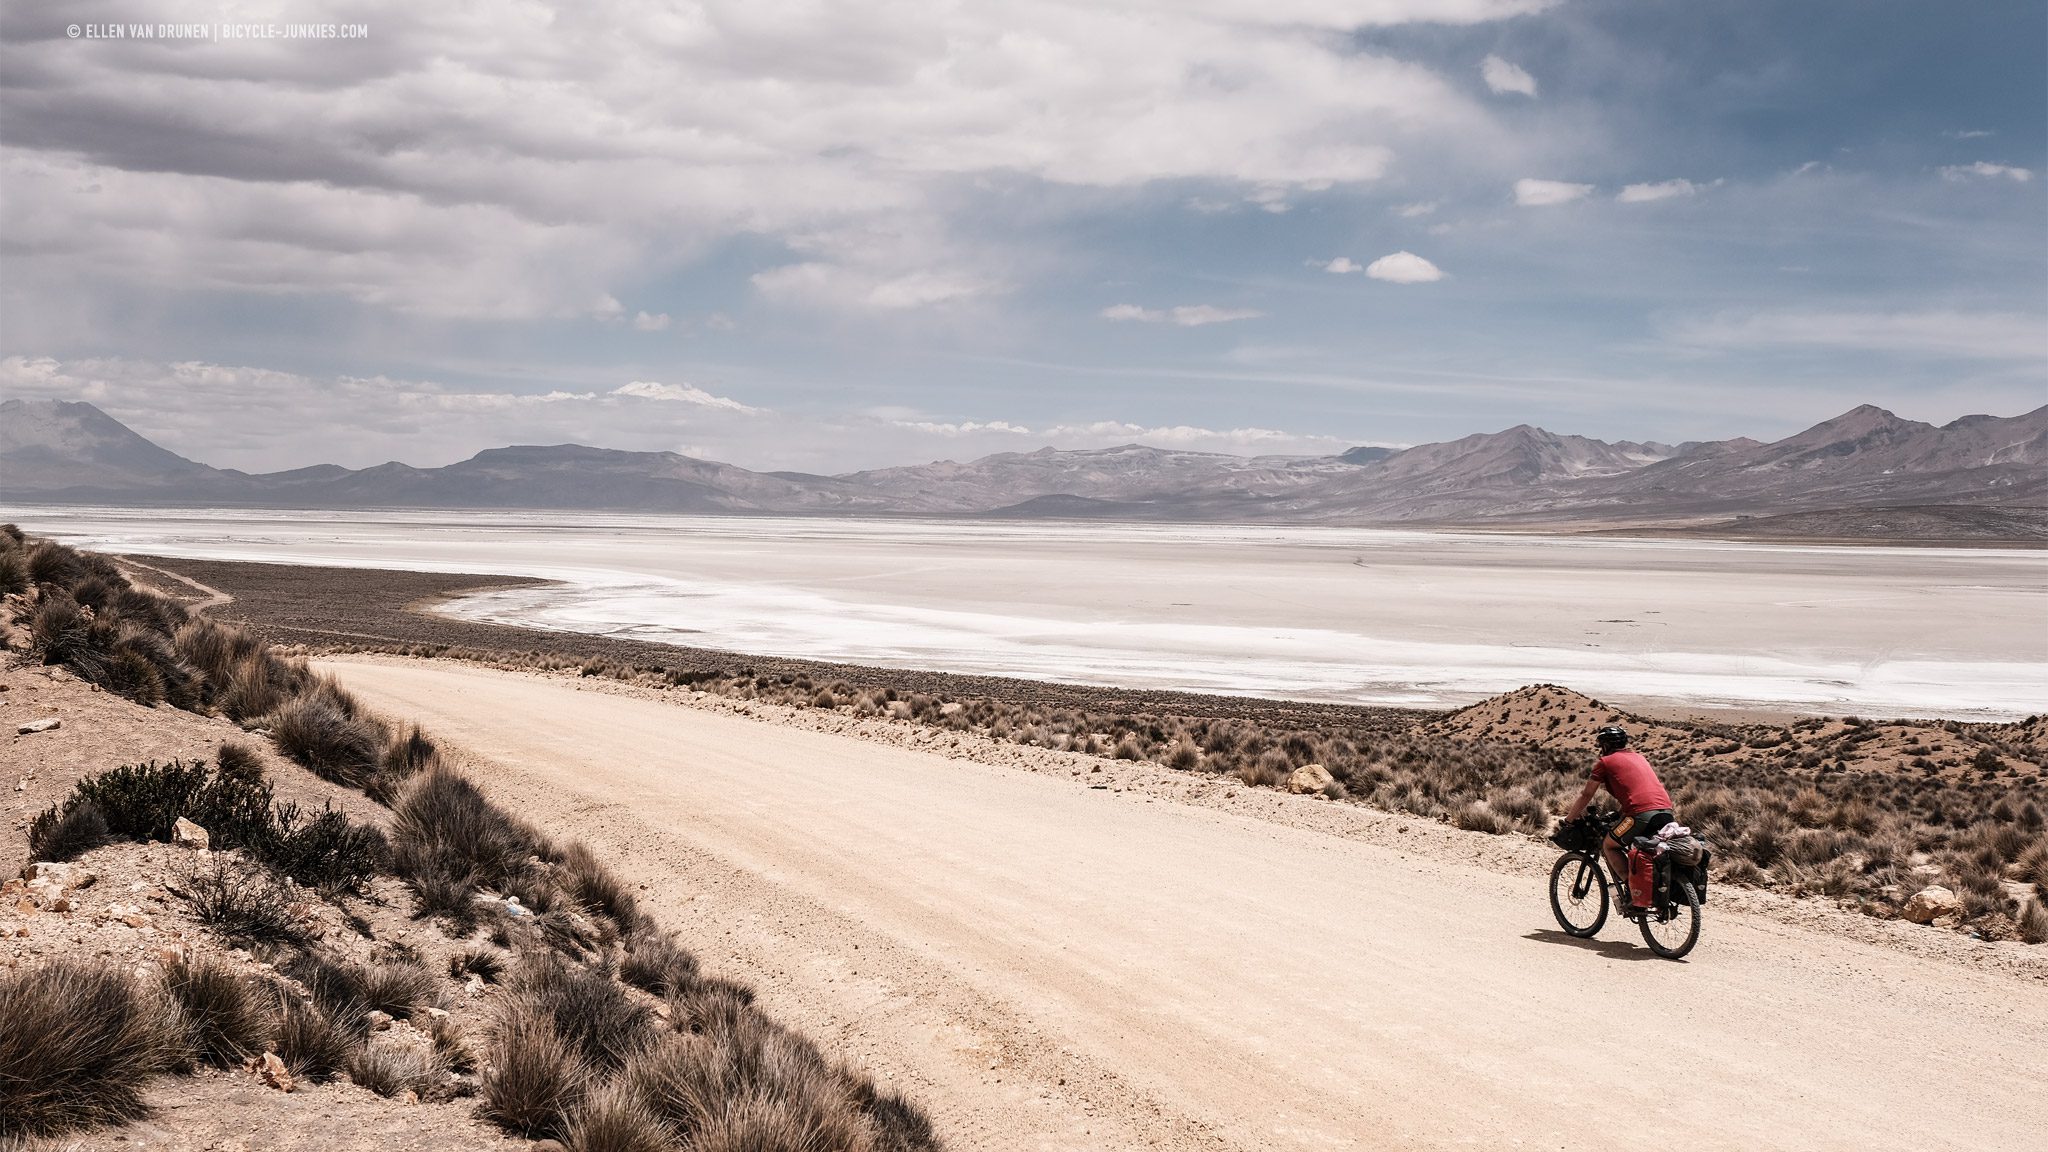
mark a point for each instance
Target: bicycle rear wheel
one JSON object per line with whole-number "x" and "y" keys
{"x": 1672, "y": 938}
{"x": 1578, "y": 894}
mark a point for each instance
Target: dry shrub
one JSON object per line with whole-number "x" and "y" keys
{"x": 79, "y": 1041}
{"x": 1128, "y": 748}
{"x": 227, "y": 1017}
{"x": 533, "y": 1078}
{"x": 244, "y": 903}
{"x": 1184, "y": 755}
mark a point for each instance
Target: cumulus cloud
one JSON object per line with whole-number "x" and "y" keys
{"x": 1662, "y": 190}
{"x": 517, "y": 161}
{"x": 1544, "y": 193}
{"x": 1503, "y": 77}
{"x": 681, "y": 394}
{"x": 1984, "y": 170}
{"x": 1403, "y": 268}
{"x": 1340, "y": 266}
{"x": 1973, "y": 335}
{"x": 651, "y": 322}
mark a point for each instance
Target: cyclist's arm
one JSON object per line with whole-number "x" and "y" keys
{"x": 1586, "y": 795}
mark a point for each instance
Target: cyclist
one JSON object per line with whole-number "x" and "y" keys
{"x": 1645, "y": 805}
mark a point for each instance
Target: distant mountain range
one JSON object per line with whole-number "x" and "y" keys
{"x": 63, "y": 452}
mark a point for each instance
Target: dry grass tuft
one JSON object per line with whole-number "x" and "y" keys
{"x": 532, "y": 1078}
{"x": 79, "y": 1043}
{"x": 313, "y": 1044}
{"x": 227, "y": 1018}
{"x": 611, "y": 1118}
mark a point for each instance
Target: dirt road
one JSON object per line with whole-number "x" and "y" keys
{"x": 1052, "y": 966}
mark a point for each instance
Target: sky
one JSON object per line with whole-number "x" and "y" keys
{"x": 796, "y": 234}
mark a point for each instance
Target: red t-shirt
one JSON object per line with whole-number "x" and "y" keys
{"x": 1633, "y": 782}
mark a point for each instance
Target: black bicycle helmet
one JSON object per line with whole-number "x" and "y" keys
{"x": 1612, "y": 738}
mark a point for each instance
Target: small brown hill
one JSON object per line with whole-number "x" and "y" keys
{"x": 1561, "y": 720}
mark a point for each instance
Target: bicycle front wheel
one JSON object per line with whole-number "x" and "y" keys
{"x": 1673, "y": 936}
{"x": 1578, "y": 894}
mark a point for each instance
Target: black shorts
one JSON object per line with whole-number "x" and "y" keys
{"x": 1640, "y": 824}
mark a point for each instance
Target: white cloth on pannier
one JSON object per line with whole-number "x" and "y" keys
{"x": 1677, "y": 841}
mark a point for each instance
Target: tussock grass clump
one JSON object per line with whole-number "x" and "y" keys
{"x": 2033, "y": 923}
{"x": 244, "y": 904}
{"x": 593, "y": 886}
{"x": 390, "y": 1069}
{"x": 69, "y": 832}
{"x": 408, "y": 756}
{"x": 313, "y": 1044}
{"x": 79, "y": 1041}
{"x": 226, "y": 1017}
{"x": 486, "y": 964}
{"x": 347, "y": 991}
{"x": 611, "y": 1118}
{"x": 532, "y": 1077}
{"x": 587, "y": 1009}
{"x": 335, "y": 741}
{"x": 441, "y": 820}
{"x": 653, "y": 962}
{"x": 238, "y": 762}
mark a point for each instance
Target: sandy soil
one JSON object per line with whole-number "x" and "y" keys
{"x": 1064, "y": 954}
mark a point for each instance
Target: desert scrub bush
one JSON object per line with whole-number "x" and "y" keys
{"x": 532, "y": 1078}
{"x": 318, "y": 731}
{"x": 243, "y": 903}
{"x": 1184, "y": 755}
{"x": 143, "y": 801}
{"x": 80, "y": 1040}
{"x": 1269, "y": 769}
{"x": 227, "y": 1018}
{"x": 69, "y": 832}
